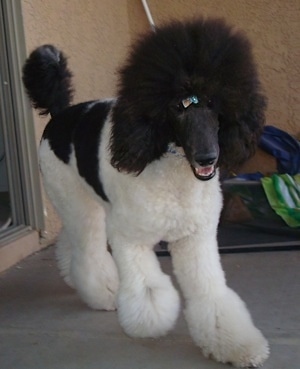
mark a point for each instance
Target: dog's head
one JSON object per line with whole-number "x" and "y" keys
{"x": 194, "y": 84}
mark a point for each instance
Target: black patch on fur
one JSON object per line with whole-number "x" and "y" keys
{"x": 87, "y": 141}
{"x": 206, "y": 58}
{"x": 81, "y": 127}
{"x": 59, "y": 131}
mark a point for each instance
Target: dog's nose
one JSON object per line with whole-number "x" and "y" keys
{"x": 206, "y": 160}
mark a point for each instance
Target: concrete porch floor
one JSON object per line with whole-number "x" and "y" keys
{"x": 44, "y": 325}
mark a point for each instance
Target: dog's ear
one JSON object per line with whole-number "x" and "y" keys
{"x": 239, "y": 132}
{"x": 136, "y": 140}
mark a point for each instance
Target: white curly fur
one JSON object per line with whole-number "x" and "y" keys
{"x": 165, "y": 202}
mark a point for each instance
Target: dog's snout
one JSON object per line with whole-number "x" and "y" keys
{"x": 206, "y": 160}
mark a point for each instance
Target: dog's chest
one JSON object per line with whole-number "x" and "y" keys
{"x": 178, "y": 210}
{"x": 166, "y": 201}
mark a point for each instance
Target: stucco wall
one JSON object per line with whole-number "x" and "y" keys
{"x": 95, "y": 35}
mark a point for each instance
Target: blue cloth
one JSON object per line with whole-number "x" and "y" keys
{"x": 284, "y": 147}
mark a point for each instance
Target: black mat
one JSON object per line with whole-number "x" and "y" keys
{"x": 253, "y": 236}
{"x": 257, "y": 236}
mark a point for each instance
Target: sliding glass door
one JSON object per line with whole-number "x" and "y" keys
{"x": 20, "y": 196}
{"x": 5, "y": 204}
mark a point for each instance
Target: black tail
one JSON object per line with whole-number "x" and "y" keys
{"x": 47, "y": 80}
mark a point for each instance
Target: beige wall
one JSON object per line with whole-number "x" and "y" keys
{"x": 95, "y": 35}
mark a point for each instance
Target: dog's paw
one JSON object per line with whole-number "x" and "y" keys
{"x": 97, "y": 285}
{"x": 103, "y": 296}
{"x": 250, "y": 351}
{"x": 148, "y": 310}
{"x": 225, "y": 331}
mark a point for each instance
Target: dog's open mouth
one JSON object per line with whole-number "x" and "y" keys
{"x": 204, "y": 173}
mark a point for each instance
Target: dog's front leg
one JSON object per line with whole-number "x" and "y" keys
{"x": 148, "y": 304}
{"x": 218, "y": 319}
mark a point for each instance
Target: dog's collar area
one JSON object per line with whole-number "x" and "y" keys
{"x": 189, "y": 101}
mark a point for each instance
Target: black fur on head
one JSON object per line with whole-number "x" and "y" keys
{"x": 203, "y": 58}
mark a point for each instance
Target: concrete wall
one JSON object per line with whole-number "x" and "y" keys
{"x": 95, "y": 35}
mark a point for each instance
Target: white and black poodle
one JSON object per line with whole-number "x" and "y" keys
{"x": 144, "y": 167}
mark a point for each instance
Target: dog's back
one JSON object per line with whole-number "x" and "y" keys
{"x": 77, "y": 128}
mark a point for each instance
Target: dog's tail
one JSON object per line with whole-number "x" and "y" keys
{"x": 47, "y": 80}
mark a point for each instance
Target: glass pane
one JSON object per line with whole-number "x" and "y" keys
{"x": 5, "y": 207}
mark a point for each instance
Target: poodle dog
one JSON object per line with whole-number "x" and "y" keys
{"x": 144, "y": 167}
